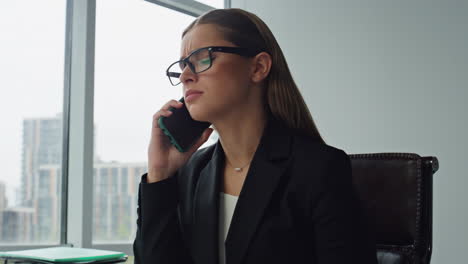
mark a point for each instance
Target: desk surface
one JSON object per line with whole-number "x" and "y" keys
{"x": 129, "y": 261}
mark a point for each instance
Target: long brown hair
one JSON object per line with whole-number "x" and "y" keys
{"x": 283, "y": 99}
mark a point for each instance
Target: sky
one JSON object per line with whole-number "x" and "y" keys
{"x": 135, "y": 42}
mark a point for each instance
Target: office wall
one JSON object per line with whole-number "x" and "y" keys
{"x": 387, "y": 77}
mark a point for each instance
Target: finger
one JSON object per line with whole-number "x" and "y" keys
{"x": 164, "y": 111}
{"x": 160, "y": 113}
{"x": 172, "y": 103}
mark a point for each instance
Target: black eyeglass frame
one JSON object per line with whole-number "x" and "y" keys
{"x": 245, "y": 52}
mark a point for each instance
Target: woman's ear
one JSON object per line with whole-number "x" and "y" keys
{"x": 261, "y": 65}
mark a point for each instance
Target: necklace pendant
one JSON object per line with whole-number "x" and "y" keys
{"x": 238, "y": 169}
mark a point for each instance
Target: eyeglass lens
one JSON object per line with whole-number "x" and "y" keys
{"x": 200, "y": 61}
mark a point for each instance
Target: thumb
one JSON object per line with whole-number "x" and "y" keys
{"x": 203, "y": 138}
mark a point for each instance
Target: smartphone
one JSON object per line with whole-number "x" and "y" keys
{"x": 181, "y": 129}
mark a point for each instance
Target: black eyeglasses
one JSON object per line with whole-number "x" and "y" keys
{"x": 201, "y": 60}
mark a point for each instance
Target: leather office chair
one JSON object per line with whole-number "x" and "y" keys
{"x": 396, "y": 191}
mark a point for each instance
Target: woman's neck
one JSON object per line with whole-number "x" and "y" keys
{"x": 240, "y": 136}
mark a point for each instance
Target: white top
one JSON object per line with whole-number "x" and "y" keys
{"x": 227, "y": 204}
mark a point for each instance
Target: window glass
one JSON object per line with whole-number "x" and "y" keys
{"x": 32, "y": 44}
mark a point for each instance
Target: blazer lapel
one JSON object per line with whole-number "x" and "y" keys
{"x": 205, "y": 210}
{"x": 268, "y": 164}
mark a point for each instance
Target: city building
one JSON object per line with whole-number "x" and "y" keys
{"x": 17, "y": 225}
{"x": 42, "y": 145}
{"x": 115, "y": 200}
{"x": 37, "y": 218}
{"x": 3, "y": 203}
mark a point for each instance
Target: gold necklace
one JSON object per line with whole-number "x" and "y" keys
{"x": 238, "y": 169}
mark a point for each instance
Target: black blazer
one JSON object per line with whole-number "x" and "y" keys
{"x": 297, "y": 205}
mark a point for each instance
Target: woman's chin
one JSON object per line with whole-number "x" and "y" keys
{"x": 197, "y": 114}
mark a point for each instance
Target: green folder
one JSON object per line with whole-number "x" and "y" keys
{"x": 64, "y": 254}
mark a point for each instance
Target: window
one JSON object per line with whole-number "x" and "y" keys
{"x": 31, "y": 102}
{"x": 134, "y": 43}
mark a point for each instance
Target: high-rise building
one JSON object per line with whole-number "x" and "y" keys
{"x": 42, "y": 145}
{"x": 3, "y": 203}
{"x": 47, "y": 203}
{"x": 17, "y": 225}
{"x": 3, "y": 198}
{"x": 115, "y": 200}
{"x": 36, "y": 219}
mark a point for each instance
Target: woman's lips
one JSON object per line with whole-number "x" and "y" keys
{"x": 193, "y": 96}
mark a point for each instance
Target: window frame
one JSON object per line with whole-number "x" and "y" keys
{"x": 189, "y": 7}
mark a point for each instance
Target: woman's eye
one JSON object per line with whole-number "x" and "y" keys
{"x": 204, "y": 61}
{"x": 182, "y": 65}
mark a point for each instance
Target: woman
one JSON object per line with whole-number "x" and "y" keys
{"x": 270, "y": 190}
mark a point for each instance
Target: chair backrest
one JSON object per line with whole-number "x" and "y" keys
{"x": 396, "y": 191}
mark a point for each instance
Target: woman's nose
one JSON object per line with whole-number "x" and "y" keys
{"x": 187, "y": 75}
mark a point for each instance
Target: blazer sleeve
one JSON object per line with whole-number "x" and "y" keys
{"x": 340, "y": 231}
{"x": 158, "y": 237}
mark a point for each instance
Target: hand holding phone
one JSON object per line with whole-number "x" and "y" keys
{"x": 181, "y": 129}
{"x": 164, "y": 159}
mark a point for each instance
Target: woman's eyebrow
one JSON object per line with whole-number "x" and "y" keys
{"x": 181, "y": 58}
